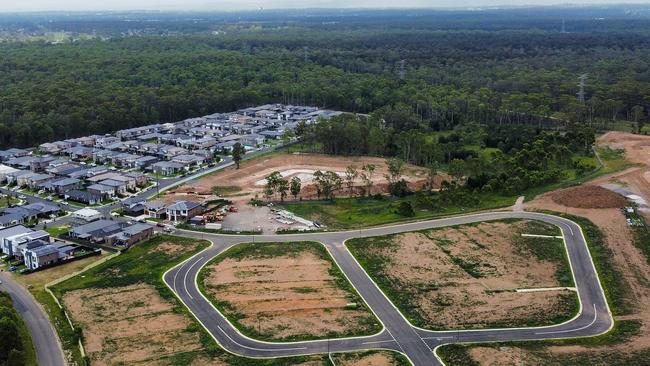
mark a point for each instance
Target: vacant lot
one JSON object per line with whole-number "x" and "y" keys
{"x": 244, "y": 183}
{"x": 371, "y": 358}
{"x": 468, "y": 276}
{"x": 129, "y": 324}
{"x": 286, "y": 291}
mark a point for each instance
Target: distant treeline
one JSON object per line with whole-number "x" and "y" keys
{"x": 454, "y": 76}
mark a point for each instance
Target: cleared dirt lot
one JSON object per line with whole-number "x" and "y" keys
{"x": 626, "y": 258}
{"x": 249, "y": 178}
{"x": 129, "y": 324}
{"x": 286, "y": 291}
{"x": 467, "y": 276}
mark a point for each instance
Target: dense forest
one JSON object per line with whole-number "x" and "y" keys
{"x": 458, "y": 67}
{"x": 12, "y": 331}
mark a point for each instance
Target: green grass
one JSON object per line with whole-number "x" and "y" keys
{"x": 348, "y": 213}
{"x": 225, "y": 190}
{"x": 403, "y": 294}
{"x": 368, "y": 325}
{"x": 55, "y": 231}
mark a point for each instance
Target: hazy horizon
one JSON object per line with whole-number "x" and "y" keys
{"x": 210, "y": 5}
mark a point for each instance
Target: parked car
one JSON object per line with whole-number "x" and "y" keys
{"x": 160, "y": 224}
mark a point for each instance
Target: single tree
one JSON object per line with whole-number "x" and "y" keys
{"x": 282, "y": 187}
{"x": 432, "y": 171}
{"x": 395, "y": 167}
{"x": 367, "y": 172}
{"x": 295, "y": 187}
{"x": 238, "y": 152}
{"x": 457, "y": 169}
{"x": 351, "y": 175}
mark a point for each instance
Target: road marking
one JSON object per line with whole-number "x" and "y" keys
{"x": 438, "y": 338}
{"x": 258, "y": 349}
{"x": 177, "y": 271}
{"x": 185, "y": 277}
{"x": 577, "y": 329}
{"x": 396, "y": 341}
{"x": 376, "y": 342}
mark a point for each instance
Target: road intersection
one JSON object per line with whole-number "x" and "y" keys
{"x": 398, "y": 334}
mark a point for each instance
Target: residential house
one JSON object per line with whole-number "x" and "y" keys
{"x": 252, "y": 139}
{"x": 167, "y": 168}
{"x": 141, "y": 179}
{"x": 106, "y": 192}
{"x": 143, "y": 162}
{"x": 12, "y": 153}
{"x": 130, "y": 235}
{"x": 133, "y": 207}
{"x": 66, "y": 184}
{"x": 17, "y": 241}
{"x": 183, "y": 210}
{"x": 39, "y": 164}
{"x": 87, "y": 214}
{"x": 119, "y": 186}
{"x": 6, "y": 170}
{"x": 80, "y": 153}
{"x": 189, "y": 160}
{"x": 83, "y": 197}
{"x": 97, "y": 231}
{"x": 41, "y": 256}
{"x": 37, "y": 179}
{"x": 7, "y": 232}
{"x": 42, "y": 209}
{"x": 155, "y": 209}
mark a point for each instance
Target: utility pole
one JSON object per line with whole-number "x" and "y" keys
{"x": 581, "y": 85}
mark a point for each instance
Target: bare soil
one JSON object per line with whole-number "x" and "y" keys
{"x": 379, "y": 358}
{"x": 251, "y": 172}
{"x": 589, "y": 196}
{"x": 285, "y": 296}
{"x": 129, "y": 324}
{"x": 503, "y": 356}
{"x": 449, "y": 296}
{"x": 628, "y": 260}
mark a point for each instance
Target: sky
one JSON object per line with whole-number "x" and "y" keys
{"x": 227, "y": 5}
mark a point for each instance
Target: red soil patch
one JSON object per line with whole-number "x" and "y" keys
{"x": 589, "y": 197}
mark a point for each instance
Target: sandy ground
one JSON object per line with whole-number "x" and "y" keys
{"x": 449, "y": 297}
{"x": 629, "y": 261}
{"x": 285, "y": 296}
{"x": 129, "y": 324}
{"x": 252, "y": 173}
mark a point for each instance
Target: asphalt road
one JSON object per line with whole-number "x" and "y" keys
{"x": 46, "y": 342}
{"x": 398, "y": 334}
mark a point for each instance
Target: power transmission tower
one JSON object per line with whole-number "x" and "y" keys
{"x": 563, "y": 27}
{"x": 581, "y": 85}
{"x": 402, "y": 69}
{"x": 306, "y": 49}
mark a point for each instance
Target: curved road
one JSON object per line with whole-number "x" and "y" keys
{"x": 44, "y": 338}
{"x": 398, "y": 334}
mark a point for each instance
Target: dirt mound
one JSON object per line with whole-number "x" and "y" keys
{"x": 589, "y": 197}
